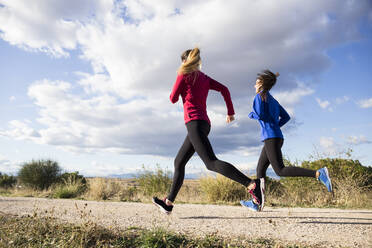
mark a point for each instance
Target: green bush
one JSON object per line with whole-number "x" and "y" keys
{"x": 7, "y": 181}
{"x": 72, "y": 176}
{"x": 222, "y": 189}
{"x": 129, "y": 194}
{"x": 39, "y": 174}
{"x": 71, "y": 185}
{"x": 153, "y": 182}
{"x": 343, "y": 168}
{"x": 351, "y": 183}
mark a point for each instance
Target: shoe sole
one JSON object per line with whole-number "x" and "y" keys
{"x": 329, "y": 179}
{"x": 262, "y": 188}
{"x": 161, "y": 208}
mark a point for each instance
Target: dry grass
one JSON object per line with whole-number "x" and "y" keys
{"x": 43, "y": 230}
{"x": 221, "y": 189}
{"x": 130, "y": 190}
{"x": 29, "y": 192}
{"x": 351, "y": 190}
{"x": 300, "y": 192}
{"x": 104, "y": 189}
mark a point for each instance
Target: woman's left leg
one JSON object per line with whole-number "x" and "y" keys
{"x": 198, "y": 135}
{"x": 274, "y": 154}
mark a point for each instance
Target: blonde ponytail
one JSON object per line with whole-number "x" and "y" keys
{"x": 192, "y": 62}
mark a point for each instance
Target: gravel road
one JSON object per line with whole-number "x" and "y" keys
{"x": 323, "y": 227}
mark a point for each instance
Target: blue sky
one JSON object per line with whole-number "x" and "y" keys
{"x": 87, "y": 83}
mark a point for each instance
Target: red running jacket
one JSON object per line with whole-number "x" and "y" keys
{"x": 193, "y": 88}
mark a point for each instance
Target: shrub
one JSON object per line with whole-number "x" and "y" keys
{"x": 351, "y": 183}
{"x": 129, "y": 194}
{"x": 222, "y": 189}
{"x": 153, "y": 182}
{"x": 39, "y": 174}
{"x": 343, "y": 168}
{"x": 72, "y": 185}
{"x": 72, "y": 176}
{"x": 7, "y": 181}
{"x": 103, "y": 188}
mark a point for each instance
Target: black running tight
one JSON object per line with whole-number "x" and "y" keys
{"x": 272, "y": 154}
{"x": 197, "y": 140}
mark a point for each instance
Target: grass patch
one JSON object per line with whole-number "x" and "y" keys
{"x": 103, "y": 188}
{"x": 71, "y": 187}
{"x": 352, "y": 183}
{"x": 154, "y": 182}
{"x": 222, "y": 189}
{"x": 47, "y": 232}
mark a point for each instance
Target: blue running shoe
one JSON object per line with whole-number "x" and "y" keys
{"x": 324, "y": 178}
{"x": 250, "y": 205}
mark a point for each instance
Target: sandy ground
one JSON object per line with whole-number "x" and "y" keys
{"x": 323, "y": 227}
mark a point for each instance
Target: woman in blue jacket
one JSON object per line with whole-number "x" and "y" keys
{"x": 272, "y": 116}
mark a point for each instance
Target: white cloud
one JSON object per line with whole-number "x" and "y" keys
{"x": 341, "y": 100}
{"x": 329, "y": 146}
{"x": 365, "y": 103}
{"x": 7, "y": 166}
{"x": 134, "y": 48}
{"x": 291, "y": 98}
{"x": 250, "y": 151}
{"x": 12, "y": 98}
{"x": 326, "y": 142}
{"x": 99, "y": 169}
{"x": 21, "y": 131}
{"x": 358, "y": 140}
{"x": 323, "y": 104}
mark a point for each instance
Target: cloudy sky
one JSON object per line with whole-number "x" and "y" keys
{"x": 87, "y": 83}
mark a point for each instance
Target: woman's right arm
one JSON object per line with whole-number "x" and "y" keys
{"x": 177, "y": 88}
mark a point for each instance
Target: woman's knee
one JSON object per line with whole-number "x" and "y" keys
{"x": 211, "y": 165}
{"x": 178, "y": 164}
{"x": 280, "y": 172}
{"x": 260, "y": 174}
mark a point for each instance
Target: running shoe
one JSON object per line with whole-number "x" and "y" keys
{"x": 324, "y": 178}
{"x": 250, "y": 205}
{"x": 258, "y": 192}
{"x": 164, "y": 208}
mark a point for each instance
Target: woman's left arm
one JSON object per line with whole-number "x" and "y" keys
{"x": 284, "y": 116}
{"x": 214, "y": 85}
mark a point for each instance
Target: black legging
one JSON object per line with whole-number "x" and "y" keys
{"x": 197, "y": 140}
{"x": 272, "y": 154}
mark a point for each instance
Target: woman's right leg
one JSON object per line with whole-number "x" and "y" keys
{"x": 274, "y": 154}
{"x": 198, "y": 131}
{"x": 183, "y": 156}
{"x": 263, "y": 164}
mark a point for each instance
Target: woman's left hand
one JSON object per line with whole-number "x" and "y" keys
{"x": 230, "y": 118}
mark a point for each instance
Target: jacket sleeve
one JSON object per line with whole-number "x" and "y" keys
{"x": 260, "y": 111}
{"x": 284, "y": 116}
{"x": 177, "y": 88}
{"x": 214, "y": 85}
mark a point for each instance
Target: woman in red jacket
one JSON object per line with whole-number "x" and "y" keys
{"x": 193, "y": 86}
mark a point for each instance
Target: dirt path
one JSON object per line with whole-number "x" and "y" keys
{"x": 325, "y": 227}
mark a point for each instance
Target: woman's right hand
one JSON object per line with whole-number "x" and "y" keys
{"x": 230, "y": 118}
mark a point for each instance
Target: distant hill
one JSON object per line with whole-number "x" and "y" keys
{"x": 270, "y": 173}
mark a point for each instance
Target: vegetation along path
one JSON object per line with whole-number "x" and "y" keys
{"x": 325, "y": 227}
